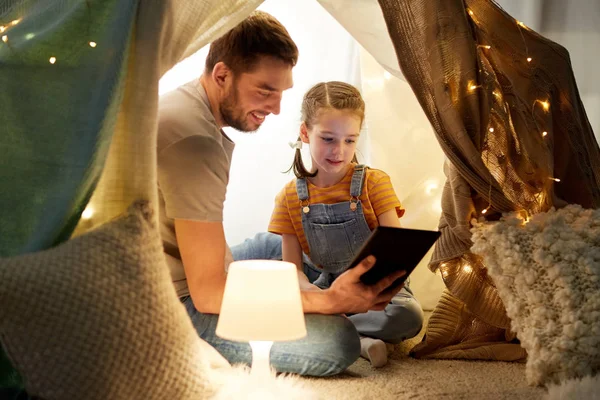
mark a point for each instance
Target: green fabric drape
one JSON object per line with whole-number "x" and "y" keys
{"x": 62, "y": 63}
{"x": 56, "y": 120}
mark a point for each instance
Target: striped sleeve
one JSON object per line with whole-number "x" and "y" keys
{"x": 281, "y": 221}
{"x": 382, "y": 195}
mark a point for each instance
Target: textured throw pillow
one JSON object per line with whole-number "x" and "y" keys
{"x": 98, "y": 318}
{"x": 547, "y": 272}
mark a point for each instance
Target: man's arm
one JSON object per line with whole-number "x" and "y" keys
{"x": 202, "y": 247}
{"x": 192, "y": 174}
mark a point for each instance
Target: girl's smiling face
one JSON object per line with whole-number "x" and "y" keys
{"x": 332, "y": 139}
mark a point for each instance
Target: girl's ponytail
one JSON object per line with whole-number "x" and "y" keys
{"x": 298, "y": 166}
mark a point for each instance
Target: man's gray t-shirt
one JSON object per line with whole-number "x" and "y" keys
{"x": 194, "y": 157}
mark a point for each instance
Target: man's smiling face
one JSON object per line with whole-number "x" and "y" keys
{"x": 255, "y": 94}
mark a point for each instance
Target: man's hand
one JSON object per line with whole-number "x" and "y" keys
{"x": 310, "y": 287}
{"x": 348, "y": 294}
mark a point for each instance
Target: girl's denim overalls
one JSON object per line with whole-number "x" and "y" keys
{"x": 335, "y": 233}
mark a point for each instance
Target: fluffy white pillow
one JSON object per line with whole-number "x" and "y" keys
{"x": 98, "y": 318}
{"x": 547, "y": 272}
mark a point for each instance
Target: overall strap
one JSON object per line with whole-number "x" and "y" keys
{"x": 358, "y": 179}
{"x": 302, "y": 189}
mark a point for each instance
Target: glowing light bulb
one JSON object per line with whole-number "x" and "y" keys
{"x": 545, "y": 104}
{"x": 430, "y": 186}
{"x": 2, "y": 28}
{"x": 484, "y": 210}
{"x": 5, "y": 38}
{"x": 467, "y": 268}
{"x": 436, "y": 206}
{"x": 485, "y": 46}
{"x": 491, "y": 130}
{"x": 529, "y": 59}
{"x": 555, "y": 179}
{"x": 544, "y": 133}
{"x": 443, "y": 264}
{"x": 87, "y": 213}
{"x": 14, "y": 22}
{"x": 524, "y": 216}
{"x": 52, "y": 60}
{"x": 471, "y": 12}
{"x": 93, "y": 44}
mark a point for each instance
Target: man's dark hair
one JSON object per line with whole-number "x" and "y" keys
{"x": 258, "y": 35}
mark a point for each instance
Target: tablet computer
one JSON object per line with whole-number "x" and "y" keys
{"x": 394, "y": 249}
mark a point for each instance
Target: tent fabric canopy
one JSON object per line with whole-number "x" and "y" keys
{"x": 486, "y": 107}
{"x": 507, "y": 113}
{"x": 96, "y": 107}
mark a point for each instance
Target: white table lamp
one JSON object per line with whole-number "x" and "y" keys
{"x": 261, "y": 304}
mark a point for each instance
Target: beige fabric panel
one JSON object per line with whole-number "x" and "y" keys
{"x": 371, "y": 33}
{"x": 104, "y": 322}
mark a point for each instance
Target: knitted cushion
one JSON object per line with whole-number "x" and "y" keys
{"x": 548, "y": 274}
{"x": 98, "y": 318}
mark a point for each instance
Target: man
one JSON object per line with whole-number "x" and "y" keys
{"x": 247, "y": 70}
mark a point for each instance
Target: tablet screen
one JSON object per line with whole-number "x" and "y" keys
{"x": 394, "y": 249}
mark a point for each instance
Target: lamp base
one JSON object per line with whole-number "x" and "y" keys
{"x": 260, "y": 358}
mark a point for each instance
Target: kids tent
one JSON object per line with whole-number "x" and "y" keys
{"x": 79, "y": 127}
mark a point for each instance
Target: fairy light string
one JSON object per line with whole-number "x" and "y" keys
{"x": 6, "y": 38}
{"x": 544, "y": 104}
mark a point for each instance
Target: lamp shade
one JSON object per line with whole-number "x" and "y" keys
{"x": 261, "y": 302}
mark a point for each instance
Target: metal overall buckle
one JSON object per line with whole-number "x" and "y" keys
{"x": 305, "y": 207}
{"x": 353, "y": 203}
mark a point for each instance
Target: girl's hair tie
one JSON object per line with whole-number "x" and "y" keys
{"x": 296, "y": 145}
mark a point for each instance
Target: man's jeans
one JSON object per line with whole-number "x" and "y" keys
{"x": 332, "y": 343}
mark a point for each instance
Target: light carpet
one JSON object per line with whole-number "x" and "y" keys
{"x": 408, "y": 378}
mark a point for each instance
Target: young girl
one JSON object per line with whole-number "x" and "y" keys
{"x": 327, "y": 213}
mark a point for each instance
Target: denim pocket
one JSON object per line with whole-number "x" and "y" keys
{"x": 334, "y": 244}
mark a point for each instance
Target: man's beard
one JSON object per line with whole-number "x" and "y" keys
{"x": 232, "y": 115}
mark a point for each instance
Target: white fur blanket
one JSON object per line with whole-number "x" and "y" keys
{"x": 238, "y": 383}
{"x": 587, "y": 388}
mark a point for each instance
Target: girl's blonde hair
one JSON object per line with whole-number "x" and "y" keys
{"x": 333, "y": 95}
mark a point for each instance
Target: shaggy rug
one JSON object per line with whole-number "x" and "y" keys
{"x": 408, "y": 378}
{"x": 402, "y": 378}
